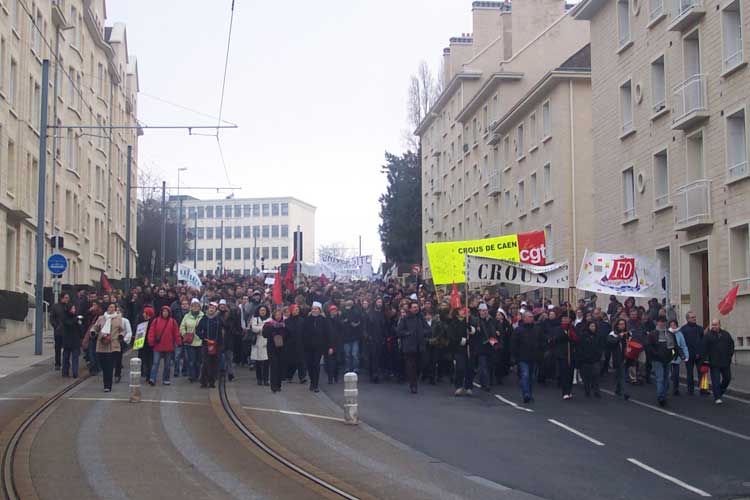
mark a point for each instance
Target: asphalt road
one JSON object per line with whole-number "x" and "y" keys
{"x": 572, "y": 450}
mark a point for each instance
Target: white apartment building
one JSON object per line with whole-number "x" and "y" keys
{"x": 249, "y": 230}
{"x": 507, "y": 146}
{"x": 93, "y": 81}
{"x": 670, "y": 99}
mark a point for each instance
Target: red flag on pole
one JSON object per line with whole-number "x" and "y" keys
{"x": 289, "y": 278}
{"x": 105, "y": 283}
{"x": 277, "y": 298}
{"x": 727, "y": 303}
{"x": 455, "y": 297}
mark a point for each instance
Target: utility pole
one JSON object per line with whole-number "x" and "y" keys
{"x": 221, "y": 262}
{"x": 255, "y": 249}
{"x": 360, "y": 245}
{"x": 39, "y": 299}
{"x": 180, "y": 239}
{"x": 127, "y": 218}
{"x": 162, "y": 257}
{"x": 195, "y": 239}
{"x": 298, "y": 251}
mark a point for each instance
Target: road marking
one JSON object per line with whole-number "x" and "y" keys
{"x": 508, "y": 401}
{"x": 686, "y": 418}
{"x": 19, "y": 398}
{"x": 165, "y": 401}
{"x": 727, "y": 396}
{"x": 577, "y": 433}
{"x": 669, "y": 478}
{"x": 296, "y": 413}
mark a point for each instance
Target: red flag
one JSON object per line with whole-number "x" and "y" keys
{"x": 289, "y": 278}
{"x": 105, "y": 283}
{"x": 455, "y": 297}
{"x": 277, "y": 299}
{"x": 727, "y": 303}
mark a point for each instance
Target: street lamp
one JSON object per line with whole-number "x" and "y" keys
{"x": 179, "y": 219}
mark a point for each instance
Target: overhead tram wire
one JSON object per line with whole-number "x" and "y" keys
{"x": 223, "y": 90}
{"x": 185, "y": 108}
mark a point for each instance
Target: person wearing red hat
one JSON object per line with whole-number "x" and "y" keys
{"x": 146, "y": 353}
{"x": 163, "y": 336}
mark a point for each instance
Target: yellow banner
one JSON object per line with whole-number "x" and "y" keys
{"x": 447, "y": 258}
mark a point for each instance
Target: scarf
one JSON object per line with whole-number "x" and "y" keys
{"x": 276, "y": 324}
{"x": 107, "y": 328}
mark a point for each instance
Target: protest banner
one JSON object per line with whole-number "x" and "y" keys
{"x": 140, "y": 335}
{"x": 483, "y": 271}
{"x": 346, "y": 267}
{"x": 189, "y": 275}
{"x": 447, "y": 263}
{"x": 626, "y": 275}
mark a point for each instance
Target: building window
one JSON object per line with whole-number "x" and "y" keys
{"x": 275, "y": 209}
{"x": 200, "y": 254}
{"x": 506, "y": 150}
{"x": 247, "y": 210}
{"x": 200, "y": 233}
{"x": 217, "y": 253}
{"x": 191, "y": 213}
{"x": 521, "y": 196}
{"x": 237, "y": 253}
{"x": 507, "y": 204}
{"x": 228, "y": 211}
{"x": 209, "y": 212}
{"x": 285, "y": 209}
{"x": 209, "y": 254}
{"x": 628, "y": 194}
{"x": 739, "y": 253}
{"x": 533, "y": 191}
{"x": 209, "y": 233}
{"x": 284, "y": 253}
{"x": 274, "y": 231}
{"x": 519, "y": 143}
{"x": 238, "y": 232}
{"x": 736, "y": 145}
{"x": 246, "y": 231}
{"x": 266, "y": 210}
{"x": 238, "y": 211}
{"x": 227, "y": 254}
{"x": 658, "y": 86}
{"x": 547, "y": 181}
{"x": 548, "y": 243}
{"x": 219, "y": 212}
{"x": 266, "y": 232}
{"x": 546, "y": 124}
{"x": 626, "y": 107}
{"x": 484, "y": 119}
{"x": 532, "y": 131}
{"x": 264, "y": 253}
{"x": 256, "y": 231}
{"x": 14, "y": 13}
{"x": 36, "y": 33}
{"x": 256, "y": 210}
{"x": 731, "y": 24}
{"x": 661, "y": 180}
{"x": 274, "y": 252}
{"x": 656, "y": 8}
{"x": 284, "y": 230}
{"x": 12, "y": 83}
{"x": 201, "y": 212}
{"x": 695, "y": 165}
{"x": 623, "y": 22}
{"x": 227, "y": 232}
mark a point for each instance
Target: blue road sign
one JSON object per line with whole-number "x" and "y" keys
{"x": 57, "y": 263}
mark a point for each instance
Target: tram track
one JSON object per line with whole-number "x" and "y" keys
{"x": 275, "y": 455}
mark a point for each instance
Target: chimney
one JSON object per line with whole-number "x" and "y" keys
{"x": 461, "y": 50}
{"x": 487, "y": 22}
{"x": 446, "y": 66}
{"x": 531, "y": 17}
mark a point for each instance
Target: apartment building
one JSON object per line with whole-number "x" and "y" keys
{"x": 238, "y": 233}
{"x": 507, "y": 146}
{"x": 93, "y": 81}
{"x": 670, "y": 105}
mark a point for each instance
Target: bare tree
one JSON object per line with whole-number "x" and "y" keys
{"x": 149, "y": 183}
{"x": 336, "y": 249}
{"x": 424, "y": 90}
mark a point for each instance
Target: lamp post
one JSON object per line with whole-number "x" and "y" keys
{"x": 179, "y": 219}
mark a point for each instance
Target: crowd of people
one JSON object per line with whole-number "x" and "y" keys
{"x": 389, "y": 331}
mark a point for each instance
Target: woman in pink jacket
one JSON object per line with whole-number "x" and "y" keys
{"x": 163, "y": 336}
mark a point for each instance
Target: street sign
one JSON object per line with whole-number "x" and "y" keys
{"x": 57, "y": 263}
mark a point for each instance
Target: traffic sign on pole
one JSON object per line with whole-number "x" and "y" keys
{"x": 57, "y": 263}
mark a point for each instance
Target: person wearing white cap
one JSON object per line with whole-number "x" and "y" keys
{"x": 317, "y": 342}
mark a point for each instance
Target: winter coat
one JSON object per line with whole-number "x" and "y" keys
{"x": 661, "y": 345}
{"x": 336, "y": 332}
{"x": 316, "y": 336}
{"x": 72, "y": 331}
{"x": 563, "y": 342}
{"x": 211, "y": 328}
{"x": 232, "y": 330}
{"x": 163, "y": 334}
{"x": 377, "y": 328}
{"x": 259, "y": 351}
{"x": 353, "y": 322}
{"x": 693, "y": 334}
{"x": 617, "y": 346}
{"x": 412, "y": 330}
{"x": 683, "y": 348}
{"x": 189, "y": 325}
{"x": 116, "y": 331}
{"x": 457, "y": 330}
{"x": 527, "y": 342}
{"x": 294, "y": 346}
{"x": 718, "y": 348}
{"x": 588, "y": 347}
{"x": 57, "y": 318}
{"x": 271, "y": 329}
{"x": 480, "y": 341}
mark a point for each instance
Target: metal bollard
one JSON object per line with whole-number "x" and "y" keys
{"x": 135, "y": 380}
{"x": 351, "y": 408}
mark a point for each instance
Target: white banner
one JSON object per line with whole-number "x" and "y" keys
{"x": 189, "y": 275}
{"x": 626, "y": 275}
{"x": 483, "y": 271}
{"x": 346, "y": 267}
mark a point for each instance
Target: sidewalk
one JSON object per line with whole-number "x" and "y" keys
{"x": 19, "y": 355}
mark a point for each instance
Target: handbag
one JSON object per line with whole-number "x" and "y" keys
{"x": 633, "y": 349}
{"x": 188, "y": 337}
{"x": 278, "y": 341}
{"x": 106, "y": 339}
{"x": 212, "y": 347}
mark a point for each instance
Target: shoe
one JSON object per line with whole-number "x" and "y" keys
{"x": 413, "y": 389}
{"x": 151, "y": 383}
{"x": 65, "y": 375}
{"x": 626, "y": 397}
{"x": 459, "y": 392}
{"x": 662, "y": 403}
{"x": 117, "y": 380}
{"x": 588, "y": 394}
{"x": 203, "y": 386}
{"x": 265, "y": 382}
{"x": 526, "y": 400}
{"x": 566, "y": 397}
{"x": 176, "y": 375}
{"x": 486, "y": 388}
{"x": 75, "y": 375}
{"x": 167, "y": 382}
{"x": 676, "y": 393}
{"x": 469, "y": 392}
{"x": 107, "y": 390}
{"x": 302, "y": 381}
{"x": 260, "y": 382}
{"x": 330, "y": 380}
{"x": 58, "y": 368}
{"x": 316, "y": 390}
{"x": 719, "y": 402}
{"x": 230, "y": 376}
{"x": 212, "y": 386}
{"x": 598, "y": 395}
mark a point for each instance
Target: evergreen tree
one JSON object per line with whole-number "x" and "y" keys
{"x": 400, "y": 209}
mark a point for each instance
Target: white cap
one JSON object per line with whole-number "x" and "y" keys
{"x": 318, "y": 305}
{"x": 522, "y": 310}
{"x": 413, "y": 296}
{"x": 222, "y": 302}
{"x": 550, "y": 307}
{"x": 482, "y": 306}
{"x": 523, "y": 303}
{"x": 195, "y": 301}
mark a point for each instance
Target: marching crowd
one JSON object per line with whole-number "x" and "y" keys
{"x": 391, "y": 332}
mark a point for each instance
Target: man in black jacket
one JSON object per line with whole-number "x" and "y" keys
{"x": 718, "y": 351}
{"x": 693, "y": 334}
{"x": 479, "y": 345}
{"x": 411, "y": 331}
{"x": 317, "y": 341}
{"x": 527, "y": 340}
{"x": 57, "y": 319}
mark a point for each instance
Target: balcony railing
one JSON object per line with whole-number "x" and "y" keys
{"x": 690, "y": 102}
{"x": 495, "y": 187}
{"x": 692, "y": 204}
{"x": 661, "y": 201}
{"x": 436, "y": 185}
{"x": 733, "y": 60}
{"x": 627, "y": 127}
{"x": 656, "y": 10}
{"x": 738, "y": 171}
{"x": 685, "y": 12}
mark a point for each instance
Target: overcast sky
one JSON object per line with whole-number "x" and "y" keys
{"x": 318, "y": 90}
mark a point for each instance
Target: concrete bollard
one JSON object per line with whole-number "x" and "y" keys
{"x": 135, "y": 380}
{"x": 351, "y": 408}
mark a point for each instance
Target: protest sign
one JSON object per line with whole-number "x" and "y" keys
{"x": 447, "y": 263}
{"x": 627, "y": 275}
{"x": 189, "y": 275}
{"x": 483, "y": 271}
{"x": 140, "y": 335}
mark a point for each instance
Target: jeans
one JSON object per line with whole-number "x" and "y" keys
{"x": 94, "y": 364}
{"x": 692, "y": 366}
{"x": 482, "y": 361}
{"x": 464, "y": 371}
{"x": 675, "y": 371}
{"x": 227, "y": 362}
{"x": 527, "y": 372}
{"x": 565, "y": 376}
{"x": 193, "y": 359}
{"x": 106, "y": 361}
{"x": 662, "y": 379}
{"x": 158, "y": 356}
{"x": 720, "y": 379}
{"x": 70, "y": 356}
{"x": 620, "y": 379}
{"x": 351, "y": 356}
{"x": 178, "y": 360}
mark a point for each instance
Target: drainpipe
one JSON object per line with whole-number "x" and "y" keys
{"x": 574, "y": 264}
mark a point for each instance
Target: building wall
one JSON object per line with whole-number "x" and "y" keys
{"x": 652, "y": 228}
{"x": 96, "y": 84}
{"x": 299, "y": 213}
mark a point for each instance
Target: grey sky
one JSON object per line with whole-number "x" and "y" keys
{"x": 318, "y": 90}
